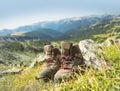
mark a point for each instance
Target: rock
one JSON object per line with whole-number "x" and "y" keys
{"x": 11, "y": 71}
{"x": 3, "y": 62}
{"x": 38, "y": 59}
{"x": 111, "y": 41}
{"x": 89, "y": 48}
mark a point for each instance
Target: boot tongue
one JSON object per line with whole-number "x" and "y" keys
{"x": 48, "y": 50}
{"x": 55, "y": 52}
{"x": 75, "y": 50}
{"x": 66, "y": 49}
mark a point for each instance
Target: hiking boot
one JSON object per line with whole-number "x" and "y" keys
{"x": 66, "y": 53}
{"x": 66, "y": 49}
{"x": 52, "y": 63}
{"x": 71, "y": 59}
{"x": 76, "y": 53}
{"x": 48, "y": 51}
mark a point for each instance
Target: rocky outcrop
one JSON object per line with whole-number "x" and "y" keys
{"x": 16, "y": 38}
{"x": 11, "y": 71}
{"x": 3, "y": 62}
{"x": 111, "y": 41}
{"x": 89, "y": 48}
{"x": 40, "y": 58}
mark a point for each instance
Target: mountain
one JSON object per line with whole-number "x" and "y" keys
{"x": 5, "y": 32}
{"x": 74, "y": 23}
{"x": 63, "y": 25}
{"x": 44, "y": 34}
{"x": 70, "y": 28}
{"x": 103, "y": 26}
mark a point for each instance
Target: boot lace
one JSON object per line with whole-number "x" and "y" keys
{"x": 66, "y": 61}
{"x": 49, "y": 60}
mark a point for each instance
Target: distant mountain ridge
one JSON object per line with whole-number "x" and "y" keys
{"x": 62, "y": 29}
{"x": 60, "y": 25}
{"x": 44, "y": 34}
{"x": 105, "y": 26}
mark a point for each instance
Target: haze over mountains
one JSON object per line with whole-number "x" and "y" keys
{"x": 63, "y": 29}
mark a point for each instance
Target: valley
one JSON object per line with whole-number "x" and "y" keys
{"x": 21, "y": 47}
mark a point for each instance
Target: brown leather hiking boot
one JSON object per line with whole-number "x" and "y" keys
{"x": 48, "y": 51}
{"x": 71, "y": 59}
{"x": 52, "y": 63}
{"x": 77, "y": 55}
{"x": 66, "y": 49}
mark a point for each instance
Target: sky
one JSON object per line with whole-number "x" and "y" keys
{"x": 15, "y": 13}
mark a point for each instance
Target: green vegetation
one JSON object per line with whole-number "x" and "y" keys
{"x": 20, "y": 52}
{"x": 99, "y": 31}
{"x": 91, "y": 80}
{"x": 48, "y": 34}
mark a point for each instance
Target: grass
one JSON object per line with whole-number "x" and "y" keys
{"x": 91, "y": 80}
{"x": 18, "y": 81}
{"x": 19, "y": 52}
